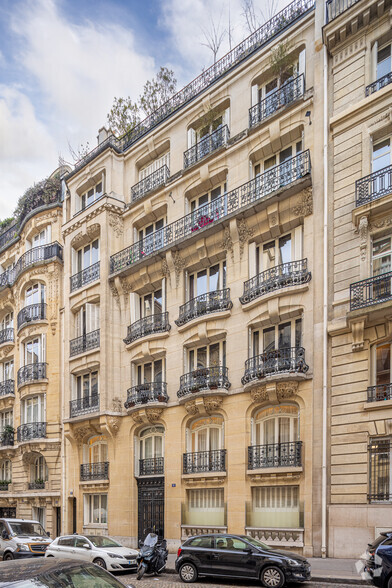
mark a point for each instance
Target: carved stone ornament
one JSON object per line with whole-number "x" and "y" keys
{"x": 153, "y": 414}
{"x": 179, "y": 265}
{"x": 29, "y": 457}
{"x": 212, "y": 403}
{"x": 114, "y": 425}
{"x": 191, "y": 407}
{"x": 227, "y": 243}
{"x": 81, "y": 433}
{"x": 304, "y": 206}
{"x": 116, "y": 405}
{"x": 113, "y": 290}
{"x": 6, "y": 350}
{"x": 126, "y": 285}
{"x": 116, "y": 222}
{"x": 244, "y": 233}
{"x": 286, "y": 390}
{"x": 381, "y": 222}
{"x": 137, "y": 418}
{"x": 357, "y": 331}
{"x": 259, "y": 394}
{"x": 165, "y": 271}
{"x": 363, "y": 230}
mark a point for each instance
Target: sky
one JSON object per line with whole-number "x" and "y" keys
{"x": 62, "y": 62}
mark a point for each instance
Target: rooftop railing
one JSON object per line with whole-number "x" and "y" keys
{"x": 151, "y": 182}
{"x": 374, "y": 186}
{"x": 208, "y": 144}
{"x": 256, "y": 190}
{"x": 371, "y": 291}
{"x": 35, "y": 256}
{"x": 336, "y": 7}
{"x": 378, "y": 84}
{"x": 283, "y": 96}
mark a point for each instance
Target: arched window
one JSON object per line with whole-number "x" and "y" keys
{"x": 277, "y": 424}
{"x": 206, "y": 434}
{"x": 6, "y": 471}
{"x": 96, "y": 450}
{"x": 39, "y": 470}
{"x": 151, "y": 442}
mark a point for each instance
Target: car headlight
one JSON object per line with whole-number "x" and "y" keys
{"x": 115, "y": 555}
{"x": 22, "y": 547}
{"x": 293, "y": 562}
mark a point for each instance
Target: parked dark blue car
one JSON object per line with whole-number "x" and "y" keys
{"x": 379, "y": 561}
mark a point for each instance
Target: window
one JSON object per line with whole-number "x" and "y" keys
{"x": 151, "y": 442}
{"x": 87, "y": 319}
{"x": 381, "y": 155}
{"x": 200, "y": 134}
{"x": 207, "y": 499}
{"x": 33, "y": 410}
{"x": 149, "y": 372}
{"x": 6, "y": 420}
{"x": 276, "y": 425}
{"x": 7, "y": 322}
{"x": 34, "y": 350}
{"x": 39, "y": 470}
{"x": 205, "y": 542}
{"x": 154, "y": 166}
{"x": 282, "y": 159}
{"x": 96, "y": 450}
{"x": 151, "y": 237}
{"x": 95, "y": 509}
{"x": 206, "y": 434}
{"x": 207, "y": 356}
{"x": 380, "y": 482}
{"x": 66, "y": 541}
{"x": 207, "y": 280}
{"x": 208, "y": 198}
{"x": 41, "y": 238}
{"x": 35, "y": 294}
{"x": 383, "y": 66}
{"x": 276, "y": 499}
{"x": 6, "y": 471}
{"x": 147, "y": 232}
{"x": 282, "y": 336}
{"x": 270, "y": 88}
{"x": 86, "y": 256}
{"x": 39, "y": 514}
{"x": 91, "y": 196}
{"x": 150, "y": 304}
{"x": 7, "y": 370}
{"x": 382, "y": 362}
{"x": 87, "y": 386}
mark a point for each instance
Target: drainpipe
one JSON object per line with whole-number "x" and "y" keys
{"x": 63, "y": 472}
{"x": 325, "y": 315}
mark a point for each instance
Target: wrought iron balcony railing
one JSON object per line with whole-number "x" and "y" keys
{"x": 292, "y": 273}
{"x": 207, "y": 303}
{"x": 84, "y": 343}
{"x": 9, "y": 235}
{"x": 7, "y": 387}
{"x": 208, "y": 144}
{"x": 84, "y": 405}
{"x": 151, "y": 466}
{"x": 256, "y": 190}
{"x": 33, "y": 312}
{"x": 146, "y": 393}
{"x": 335, "y": 7}
{"x": 209, "y": 378}
{"x": 7, "y": 336}
{"x": 373, "y": 186}
{"x": 156, "y": 323}
{"x": 379, "y": 393}
{"x": 31, "y": 372}
{"x": 275, "y": 455}
{"x": 155, "y": 180}
{"x": 35, "y": 256}
{"x": 379, "y": 84}
{"x": 30, "y": 431}
{"x": 4, "y": 485}
{"x": 288, "y": 360}
{"x": 89, "y": 274}
{"x": 204, "y": 461}
{"x": 94, "y": 471}
{"x": 7, "y": 438}
{"x": 371, "y": 291}
{"x": 283, "y": 96}
{"x": 37, "y": 485}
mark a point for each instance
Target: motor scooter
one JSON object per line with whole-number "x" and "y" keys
{"x": 152, "y": 557}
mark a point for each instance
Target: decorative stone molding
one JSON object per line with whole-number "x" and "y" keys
{"x": 385, "y": 221}
{"x": 117, "y": 404}
{"x": 117, "y": 223}
{"x": 29, "y": 457}
{"x": 165, "y": 270}
{"x": 227, "y": 243}
{"x": 126, "y": 285}
{"x": 212, "y": 403}
{"x": 259, "y": 394}
{"x": 92, "y": 214}
{"x": 137, "y": 418}
{"x": 114, "y": 292}
{"x": 81, "y": 433}
{"x": 191, "y": 407}
{"x": 363, "y": 230}
{"x": 153, "y": 414}
{"x": 304, "y": 206}
{"x": 5, "y": 351}
{"x": 113, "y": 425}
{"x": 179, "y": 264}
{"x": 286, "y": 390}
{"x": 244, "y": 233}
{"x": 198, "y": 481}
{"x": 357, "y": 330}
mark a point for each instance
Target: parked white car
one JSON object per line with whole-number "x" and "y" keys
{"x": 103, "y": 551}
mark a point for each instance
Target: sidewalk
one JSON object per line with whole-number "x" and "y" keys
{"x": 323, "y": 570}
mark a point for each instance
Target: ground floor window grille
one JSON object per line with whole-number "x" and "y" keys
{"x": 380, "y": 478}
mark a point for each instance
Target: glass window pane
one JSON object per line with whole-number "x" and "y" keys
{"x": 284, "y": 335}
{"x": 95, "y": 252}
{"x": 269, "y": 255}
{"x": 268, "y": 339}
{"x": 270, "y": 162}
{"x": 147, "y": 372}
{"x": 86, "y": 256}
{"x": 285, "y": 249}
{"x": 201, "y": 282}
{"x": 255, "y": 343}
{"x": 269, "y": 431}
{"x": 202, "y": 357}
{"x": 147, "y": 305}
{"x": 383, "y": 62}
{"x": 158, "y": 302}
{"x": 158, "y": 447}
{"x": 381, "y": 155}
{"x": 202, "y": 440}
{"x": 215, "y": 193}
{"x": 158, "y": 370}
{"x": 214, "y": 355}
{"x": 298, "y": 333}
{"x": 383, "y": 364}
{"x": 214, "y": 439}
{"x": 284, "y": 430}
{"x": 148, "y": 447}
{"x": 214, "y": 278}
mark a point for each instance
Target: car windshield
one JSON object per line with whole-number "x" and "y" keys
{"x": 77, "y": 577}
{"x": 100, "y": 541}
{"x": 27, "y": 529}
{"x": 258, "y": 544}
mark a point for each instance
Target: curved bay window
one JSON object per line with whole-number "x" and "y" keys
{"x": 95, "y": 459}
{"x": 205, "y": 441}
{"x": 38, "y": 473}
{"x": 275, "y": 438}
{"x": 151, "y": 451}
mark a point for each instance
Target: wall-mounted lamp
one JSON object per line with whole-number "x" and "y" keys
{"x": 308, "y": 114}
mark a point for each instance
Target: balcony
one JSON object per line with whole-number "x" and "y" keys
{"x": 275, "y": 455}
{"x": 147, "y": 393}
{"x": 207, "y": 145}
{"x": 4, "y": 485}
{"x": 31, "y": 373}
{"x": 36, "y": 256}
{"x": 379, "y": 84}
{"x": 202, "y": 462}
{"x": 94, "y": 471}
{"x": 37, "y": 485}
{"x": 86, "y": 276}
{"x": 30, "y": 431}
{"x": 379, "y": 393}
{"x": 255, "y": 191}
{"x": 7, "y": 336}
{"x": 373, "y": 186}
{"x": 84, "y": 405}
{"x": 371, "y": 291}
{"x": 290, "y": 92}
{"x": 210, "y": 378}
{"x": 336, "y": 7}
{"x": 210, "y": 302}
{"x": 7, "y": 387}
{"x": 84, "y": 343}
{"x": 33, "y": 312}
{"x": 155, "y": 180}
{"x": 288, "y": 360}
{"x": 151, "y": 466}
{"x": 149, "y": 325}
{"x": 7, "y": 437}
{"x": 288, "y": 274}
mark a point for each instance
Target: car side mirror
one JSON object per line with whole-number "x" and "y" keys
{"x": 86, "y": 546}
{"x": 4, "y": 534}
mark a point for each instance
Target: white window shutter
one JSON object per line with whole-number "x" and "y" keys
{"x": 49, "y": 234}
{"x": 252, "y": 259}
{"x": 301, "y": 63}
{"x": 43, "y": 347}
{"x": 255, "y": 94}
{"x": 78, "y": 323}
{"x": 191, "y": 137}
{"x": 297, "y": 249}
{"x": 163, "y": 286}
{"x": 226, "y": 117}
{"x": 134, "y": 307}
{"x": 374, "y": 61}
{"x": 136, "y": 454}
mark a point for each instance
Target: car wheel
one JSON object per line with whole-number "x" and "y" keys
{"x": 272, "y": 577}
{"x": 99, "y": 562}
{"x": 188, "y": 573}
{"x": 50, "y": 556}
{"x": 8, "y": 556}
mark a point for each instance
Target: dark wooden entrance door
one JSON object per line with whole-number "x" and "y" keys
{"x": 151, "y": 503}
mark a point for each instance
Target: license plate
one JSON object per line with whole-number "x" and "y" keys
{"x": 131, "y": 561}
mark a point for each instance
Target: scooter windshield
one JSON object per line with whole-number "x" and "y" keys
{"x": 151, "y": 540}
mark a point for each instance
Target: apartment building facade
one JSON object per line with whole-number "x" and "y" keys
{"x": 30, "y": 300}
{"x": 193, "y": 331}
{"x": 358, "y": 39}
